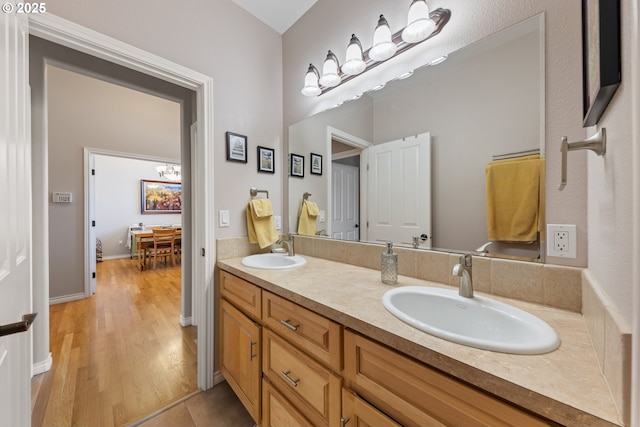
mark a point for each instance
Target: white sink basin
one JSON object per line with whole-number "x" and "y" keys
{"x": 273, "y": 261}
{"x": 476, "y": 322}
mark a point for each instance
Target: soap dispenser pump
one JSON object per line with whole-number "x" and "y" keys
{"x": 389, "y": 266}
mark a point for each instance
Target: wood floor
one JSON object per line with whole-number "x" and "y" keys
{"x": 120, "y": 355}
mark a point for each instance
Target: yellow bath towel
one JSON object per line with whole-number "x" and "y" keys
{"x": 515, "y": 199}
{"x": 260, "y": 225}
{"x": 307, "y": 216}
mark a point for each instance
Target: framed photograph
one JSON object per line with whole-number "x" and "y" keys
{"x": 161, "y": 197}
{"x": 297, "y": 165}
{"x": 316, "y": 164}
{"x": 266, "y": 160}
{"x": 601, "y": 61}
{"x": 236, "y": 147}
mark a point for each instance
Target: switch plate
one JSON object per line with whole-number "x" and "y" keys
{"x": 277, "y": 220}
{"x": 322, "y": 216}
{"x": 223, "y": 218}
{"x": 561, "y": 240}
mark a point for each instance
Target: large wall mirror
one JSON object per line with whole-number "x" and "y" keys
{"x": 484, "y": 101}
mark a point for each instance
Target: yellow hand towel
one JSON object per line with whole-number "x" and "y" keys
{"x": 515, "y": 199}
{"x": 307, "y": 218}
{"x": 260, "y": 225}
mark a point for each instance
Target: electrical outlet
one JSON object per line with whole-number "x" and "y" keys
{"x": 561, "y": 240}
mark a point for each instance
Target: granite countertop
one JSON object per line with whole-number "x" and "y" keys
{"x": 565, "y": 385}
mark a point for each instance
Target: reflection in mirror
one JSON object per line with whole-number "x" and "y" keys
{"x": 485, "y": 101}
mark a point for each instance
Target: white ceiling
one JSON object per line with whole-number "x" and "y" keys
{"x": 278, "y": 14}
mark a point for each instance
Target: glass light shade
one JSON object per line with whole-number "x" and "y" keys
{"x": 383, "y": 47}
{"x": 330, "y": 77}
{"x": 311, "y": 87}
{"x": 354, "y": 62}
{"x": 419, "y": 25}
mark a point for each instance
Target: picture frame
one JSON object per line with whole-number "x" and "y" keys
{"x": 266, "y": 160}
{"x": 601, "y": 58}
{"x": 236, "y": 147}
{"x": 160, "y": 197}
{"x": 296, "y": 165}
{"x": 316, "y": 164}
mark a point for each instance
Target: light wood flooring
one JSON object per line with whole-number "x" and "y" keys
{"x": 119, "y": 355}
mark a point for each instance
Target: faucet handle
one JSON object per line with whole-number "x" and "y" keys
{"x": 465, "y": 260}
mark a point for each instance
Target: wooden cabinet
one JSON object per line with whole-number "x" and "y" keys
{"x": 358, "y": 413}
{"x": 414, "y": 394}
{"x": 240, "y": 341}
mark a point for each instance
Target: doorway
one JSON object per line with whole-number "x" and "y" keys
{"x": 198, "y": 152}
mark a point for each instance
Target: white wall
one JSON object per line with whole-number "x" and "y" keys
{"x": 118, "y": 201}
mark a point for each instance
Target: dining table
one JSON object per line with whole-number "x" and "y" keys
{"x": 144, "y": 240}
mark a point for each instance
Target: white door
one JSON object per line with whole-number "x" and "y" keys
{"x": 15, "y": 216}
{"x": 92, "y": 226}
{"x": 399, "y": 189}
{"x": 345, "y": 195}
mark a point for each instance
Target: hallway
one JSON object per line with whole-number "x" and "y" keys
{"x": 120, "y": 355}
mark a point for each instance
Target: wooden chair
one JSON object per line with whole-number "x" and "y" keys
{"x": 164, "y": 241}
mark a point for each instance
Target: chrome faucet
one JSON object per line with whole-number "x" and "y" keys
{"x": 289, "y": 245}
{"x": 463, "y": 270}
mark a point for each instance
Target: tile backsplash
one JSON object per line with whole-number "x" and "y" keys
{"x": 567, "y": 288}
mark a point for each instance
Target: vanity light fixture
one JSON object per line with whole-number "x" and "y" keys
{"x": 383, "y": 47}
{"x": 330, "y": 70}
{"x": 419, "y": 24}
{"x": 311, "y": 85}
{"x": 354, "y": 62}
{"x": 422, "y": 25}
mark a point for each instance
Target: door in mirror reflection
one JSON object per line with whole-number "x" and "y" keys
{"x": 399, "y": 190}
{"x": 345, "y": 194}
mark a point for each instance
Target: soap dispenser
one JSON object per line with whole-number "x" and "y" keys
{"x": 389, "y": 266}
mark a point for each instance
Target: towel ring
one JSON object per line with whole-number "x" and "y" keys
{"x": 254, "y": 192}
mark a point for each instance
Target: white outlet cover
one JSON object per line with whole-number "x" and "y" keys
{"x": 571, "y": 245}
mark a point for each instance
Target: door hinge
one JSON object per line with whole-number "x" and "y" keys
{"x": 202, "y": 251}
{"x": 93, "y": 223}
{"x": 93, "y": 171}
{"x": 93, "y": 275}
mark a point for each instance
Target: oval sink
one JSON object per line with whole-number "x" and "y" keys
{"x": 476, "y": 322}
{"x": 273, "y": 261}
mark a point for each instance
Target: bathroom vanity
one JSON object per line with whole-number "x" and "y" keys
{"x": 315, "y": 346}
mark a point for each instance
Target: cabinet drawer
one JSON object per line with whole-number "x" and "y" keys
{"x": 311, "y": 387}
{"x": 278, "y": 411}
{"x": 357, "y": 412}
{"x": 417, "y": 395}
{"x": 317, "y": 335}
{"x": 244, "y": 295}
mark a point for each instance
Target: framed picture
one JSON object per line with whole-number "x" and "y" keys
{"x": 316, "y": 164}
{"x": 266, "y": 160}
{"x": 236, "y": 147}
{"x": 601, "y": 62}
{"x": 297, "y": 165}
{"x": 160, "y": 197}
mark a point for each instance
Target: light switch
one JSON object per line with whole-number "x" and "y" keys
{"x": 223, "y": 217}
{"x": 321, "y": 217}
{"x": 277, "y": 219}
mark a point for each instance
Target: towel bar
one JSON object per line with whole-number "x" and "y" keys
{"x": 254, "y": 192}
{"x": 597, "y": 143}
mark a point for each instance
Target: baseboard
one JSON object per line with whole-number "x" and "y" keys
{"x": 122, "y": 256}
{"x": 66, "y": 298}
{"x": 186, "y": 321}
{"x": 42, "y": 367}
{"x": 218, "y": 377}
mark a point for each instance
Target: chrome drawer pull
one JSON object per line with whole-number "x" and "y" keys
{"x": 343, "y": 422}
{"x": 251, "y": 355}
{"x": 289, "y": 379}
{"x": 289, "y": 325}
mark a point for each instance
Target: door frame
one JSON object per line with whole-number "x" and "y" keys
{"x": 359, "y": 145}
{"x": 66, "y": 33}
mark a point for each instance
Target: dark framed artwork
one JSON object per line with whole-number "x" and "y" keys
{"x": 160, "y": 197}
{"x": 236, "y": 147}
{"x": 266, "y": 160}
{"x": 601, "y": 61}
{"x": 297, "y": 165}
{"x": 316, "y": 164}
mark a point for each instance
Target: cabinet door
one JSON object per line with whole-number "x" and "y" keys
{"x": 358, "y": 413}
{"x": 278, "y": 411}
{"x": 240, "y": 356}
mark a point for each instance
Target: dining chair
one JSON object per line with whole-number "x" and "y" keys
{"x": 164, "y": 240}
